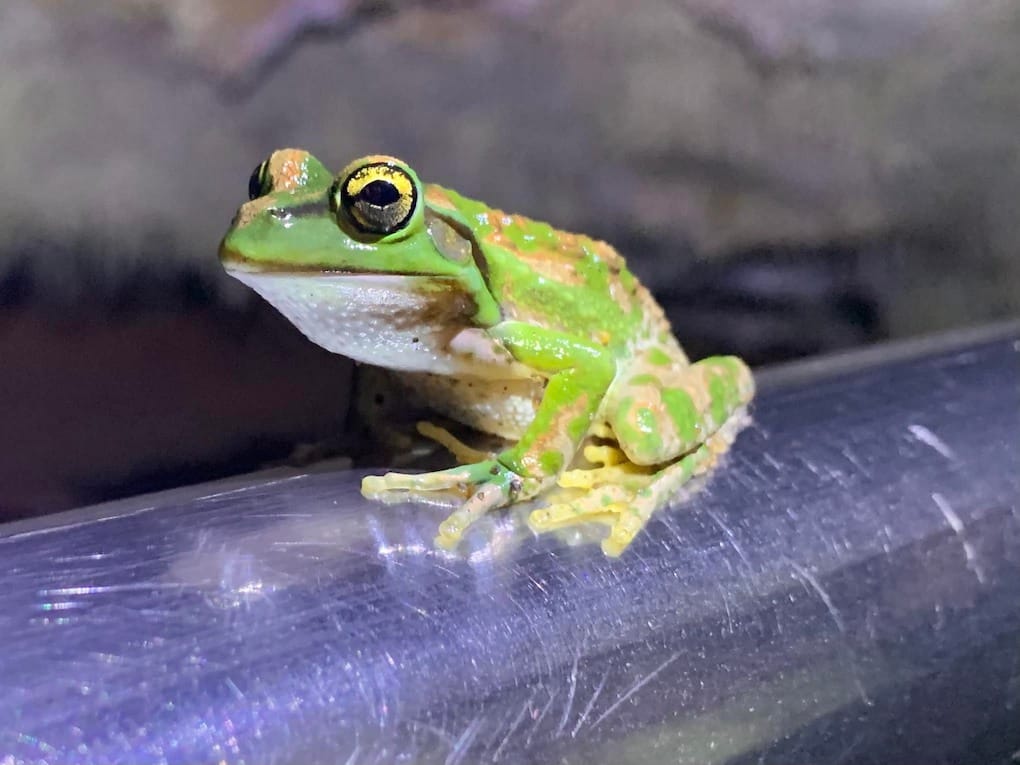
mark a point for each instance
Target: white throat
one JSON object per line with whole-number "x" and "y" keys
{"x": 404, "y": 323}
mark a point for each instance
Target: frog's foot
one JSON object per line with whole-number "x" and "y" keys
{"x": 616, "y": 470}
{"x": 461, "y": 452}
{"x": 487, "y": 484}
{"x": 627, "y": 499}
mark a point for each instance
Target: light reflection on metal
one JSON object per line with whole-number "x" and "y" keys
{"x": 850, "y": 572}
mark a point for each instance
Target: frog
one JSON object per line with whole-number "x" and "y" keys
{"x": 539, "y": 337}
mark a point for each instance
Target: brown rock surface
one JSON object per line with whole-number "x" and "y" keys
{"x": 718, "y": 125}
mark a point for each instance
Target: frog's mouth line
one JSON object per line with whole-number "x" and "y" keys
{"x": 234, "y": 262}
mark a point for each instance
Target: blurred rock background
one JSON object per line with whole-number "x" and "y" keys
{"x": 789, "y": 176}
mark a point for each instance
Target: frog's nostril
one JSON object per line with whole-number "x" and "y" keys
{"x": 279, "y": 214}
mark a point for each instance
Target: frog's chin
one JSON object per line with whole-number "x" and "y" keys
{"x": 401, "y": 322}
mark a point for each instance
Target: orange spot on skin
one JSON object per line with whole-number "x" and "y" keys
{"x": 251, "y": 210}
{"x": 606, "y": 253}
{"x": 554, "y": 438}
{"x": 287, "y": 168}
{"x": 552, "y": 265}
{"x": 288, "y": 171}
{"x": 568, "y": 242}
{"x": 437, "y": 196}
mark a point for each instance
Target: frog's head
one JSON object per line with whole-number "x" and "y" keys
{"x": 368, "y": 219}
{"x": 359, "y": 262}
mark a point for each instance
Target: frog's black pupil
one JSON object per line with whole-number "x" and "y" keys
{"x": 255, "y": 183}
{"x": 379, "y": 193}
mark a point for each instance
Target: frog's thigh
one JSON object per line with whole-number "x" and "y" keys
{"x": 661, "y": 413}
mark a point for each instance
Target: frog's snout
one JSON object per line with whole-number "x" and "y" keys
{"x": 230, "y": 253}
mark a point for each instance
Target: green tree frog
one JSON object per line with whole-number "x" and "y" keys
{"x": 501, "y": 323}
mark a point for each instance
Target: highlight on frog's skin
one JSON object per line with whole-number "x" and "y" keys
{"x": 378, "y": 198}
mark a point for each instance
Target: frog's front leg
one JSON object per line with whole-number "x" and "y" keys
{"x": 579, "y": 373}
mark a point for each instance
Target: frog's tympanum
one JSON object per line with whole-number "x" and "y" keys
{"x": 502, "y": 324}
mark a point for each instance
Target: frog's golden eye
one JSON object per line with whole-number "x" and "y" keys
{"x": 378, "y": 198}
{"x": 258, "y": 182}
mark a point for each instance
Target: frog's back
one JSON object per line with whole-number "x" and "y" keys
{"x": 557, "y": 279}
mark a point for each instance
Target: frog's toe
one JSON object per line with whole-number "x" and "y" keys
{"x": 555, "y": 517}
{"x": 628, "y": 474}
{"x": 460, "y": 451}
{"x": 626, "y": 527}
{"x": 385, "y": 486}
{"x": 600, "y": 505}
{"x": 487, "y": 498}
{"x": 413, "y": 485}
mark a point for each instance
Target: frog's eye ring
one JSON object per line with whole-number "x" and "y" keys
{"x": 258, "y": 182}
{"x": 378, "y": 198}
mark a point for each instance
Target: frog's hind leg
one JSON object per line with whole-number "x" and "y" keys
{"x": 670, "y": 424}
{"x": 658, "y": 414}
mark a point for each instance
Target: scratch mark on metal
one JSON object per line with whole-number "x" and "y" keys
{"x": 814, "y": 468}
{"x": 810, "y": 578}
{"x": 926, "y": 437}
{"x": 635, "y": 688}
{"x": 514, "y": 725}
{"x": 541, "y": 716}
{"x": 861, "y": 690}
{"x": 844, "y": 756}
{"x": 464, "y": 741}
{"x": 354, "y": 755}
{"x": 958, "y": 528}
{"x": 850, "y": 457}
{"x": 590, "y": 704}
{"x": 538, "y": 584}
{"x": 235, "y": 690}
{"x": 729, "y": 614}
{"x": 436, "y": 565}
{"x": 837, "y": 618}
{"x": 667, "y": 521}
{"x": 570, "y": 697}
{"x": 436, "y": 731}
{"x": 64, "y": 527}
{"x": 103, "y": 589}
{"x": 417, "y": 609}
{"x": 530, "y": 620}
{"x": 730, "y": 536}
{"x": 279, "y": 516}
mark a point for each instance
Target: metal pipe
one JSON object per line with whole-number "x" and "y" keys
{"x": 844, "y": 587}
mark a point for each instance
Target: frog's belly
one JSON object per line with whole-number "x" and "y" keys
{"x": 503, "y": 408}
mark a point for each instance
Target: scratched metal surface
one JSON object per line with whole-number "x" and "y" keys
{"x": 846, "y": 588}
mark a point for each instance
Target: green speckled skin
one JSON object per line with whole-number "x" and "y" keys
{"x": 557, "y": 315}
